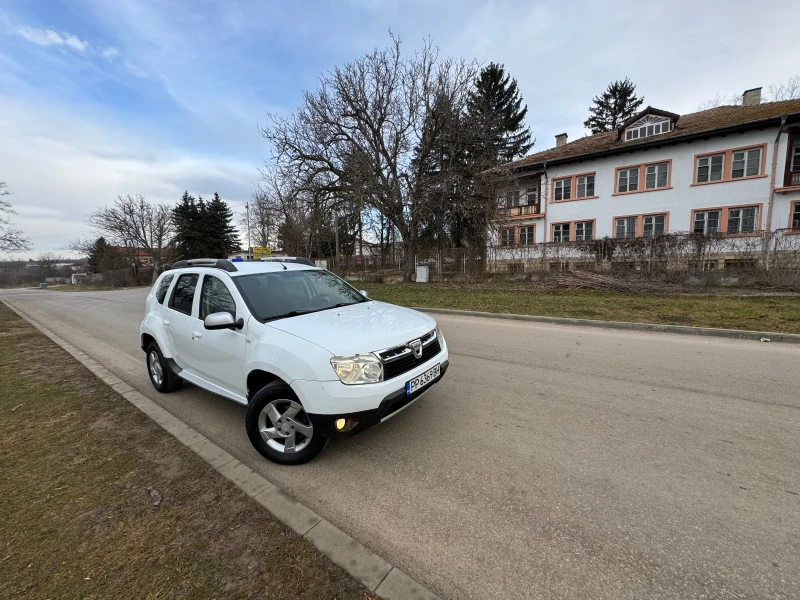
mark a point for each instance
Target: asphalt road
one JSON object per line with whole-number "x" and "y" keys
{"x": 552, "y": 461}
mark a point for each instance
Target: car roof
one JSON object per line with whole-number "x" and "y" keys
{"x": 251, "y": 267}
{"x": 239, "y": 268}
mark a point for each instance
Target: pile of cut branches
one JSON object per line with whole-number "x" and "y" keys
{"x": 587, "y": 280}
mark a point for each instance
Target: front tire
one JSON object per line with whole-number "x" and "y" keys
{"x": 161, "y": 375}
{"x": 279, "y": 428}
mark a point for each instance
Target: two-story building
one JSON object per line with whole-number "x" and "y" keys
{"x": 731, "y": 170}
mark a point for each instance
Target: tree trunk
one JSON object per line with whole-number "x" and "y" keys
{"x": 409, "y": 247}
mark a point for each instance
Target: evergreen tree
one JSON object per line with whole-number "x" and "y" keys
{"x": 613, "y": 107}
{"x": 187, "y": 218}
{"x": 219, "y": 232}
{"x": 96, "y": 255}
{"x": 104, "y": 257}
{"x": 495, "y": 110}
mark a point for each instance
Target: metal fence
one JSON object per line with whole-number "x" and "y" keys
{"x": 769, "y": 258}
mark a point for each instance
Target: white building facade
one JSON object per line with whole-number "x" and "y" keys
{"x": 732, "y": 170}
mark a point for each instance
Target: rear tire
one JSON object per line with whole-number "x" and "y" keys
{"x": 279, "y": 428}
{"x": 161, "y": 375}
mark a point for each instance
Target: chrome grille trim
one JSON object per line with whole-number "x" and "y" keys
{"x": 395, "y": 352}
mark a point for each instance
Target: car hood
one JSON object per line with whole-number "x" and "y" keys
{"x": 358, "y": 328}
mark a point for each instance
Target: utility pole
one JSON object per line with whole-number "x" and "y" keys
{"x": 247, "y": 212}
{"x": 336, "y": 234}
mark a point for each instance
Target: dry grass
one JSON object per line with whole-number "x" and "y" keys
{"x": 79, "y": 522}
{"x": 773, "y": 313}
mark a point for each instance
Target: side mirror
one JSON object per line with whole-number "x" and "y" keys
{"x": 222, "y": 320}
{"x": 363, "y": 293}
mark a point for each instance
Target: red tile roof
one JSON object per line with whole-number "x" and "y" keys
{"x": 704, "y": 121}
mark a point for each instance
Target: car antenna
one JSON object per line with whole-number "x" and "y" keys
{"x": 283, "y": 265}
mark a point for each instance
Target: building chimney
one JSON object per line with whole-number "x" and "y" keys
{"x": 751, "y": 97}
{"x": 561, "y": 138}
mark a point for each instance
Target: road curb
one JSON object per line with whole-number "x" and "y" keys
{"x": 381, "y": 577}
{"x": 741, "y": 334}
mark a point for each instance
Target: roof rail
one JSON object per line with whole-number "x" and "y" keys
{"x": 300, "y": 260}
{"x": 213, "y": 263}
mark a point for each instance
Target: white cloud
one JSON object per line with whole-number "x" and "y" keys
{"x": 109, "y": 53}
{"x": 62, "y": 164}
{"x": 48, "y": 37}
{"x": 139, "y": 72}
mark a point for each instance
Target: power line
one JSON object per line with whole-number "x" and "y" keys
{"x": 55, "y": 235}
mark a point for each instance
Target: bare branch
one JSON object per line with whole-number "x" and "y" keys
{"x": 11, "y": 240}
{"x": 785, "y": 91}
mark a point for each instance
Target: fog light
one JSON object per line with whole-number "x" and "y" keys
{"x": 340, "y": 424}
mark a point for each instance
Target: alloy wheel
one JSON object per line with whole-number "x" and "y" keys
{"x": 285, "y": 426}
{"x": 156, "y": 372}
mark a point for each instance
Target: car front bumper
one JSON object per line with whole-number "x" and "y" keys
{"x": 390, "y": 405}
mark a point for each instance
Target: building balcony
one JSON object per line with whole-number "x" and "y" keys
{"x": 791, "y": 183}
{"x": 512, "y": 212}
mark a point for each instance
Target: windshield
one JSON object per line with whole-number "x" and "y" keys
{"x": 291, "y": 293}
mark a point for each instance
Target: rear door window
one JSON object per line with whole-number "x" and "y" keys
{"x": 163, "y": 287}
{"x": 183, "y": 296}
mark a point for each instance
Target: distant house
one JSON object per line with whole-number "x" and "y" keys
{"x": 138, "y": 255}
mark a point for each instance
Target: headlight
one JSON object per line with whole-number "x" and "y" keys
{"x": 358, "y": 369}
{"x": 439, "y": 333}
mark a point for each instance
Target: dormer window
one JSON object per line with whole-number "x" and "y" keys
{"x": 647, "y": 126}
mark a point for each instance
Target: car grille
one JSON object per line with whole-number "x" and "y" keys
{"x": 399, "y": 360}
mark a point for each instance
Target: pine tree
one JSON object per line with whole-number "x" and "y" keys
{"x": 103, "y": 257}
{"x": 186, "y": 217}
{"x": 495, "y": 110}
{"x": 613, "y": 107}
{"x": 96, "y": 255}
{"x": 221, "y": 235}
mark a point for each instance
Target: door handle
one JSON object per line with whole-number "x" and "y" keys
{"x": 166, "y": 323}
{"x": 196, "y": 336}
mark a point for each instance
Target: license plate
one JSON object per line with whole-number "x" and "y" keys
{"x": 420, "y": 381}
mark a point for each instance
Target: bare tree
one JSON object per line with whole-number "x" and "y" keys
{"x": 368, "y": 132}
{"x": 268, "y": 207}
{"x": 720, "y": 100}
{"x": 47, "y": 264}
{"x": 11, "y": 240}
{"x": 785, "y": 91}
{"x": 134, "y": 224}
{"x": 81, "y": 246}
{"x": 775, "y": 93}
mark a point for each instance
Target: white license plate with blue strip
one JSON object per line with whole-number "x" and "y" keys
{"x": 423, "y": 379}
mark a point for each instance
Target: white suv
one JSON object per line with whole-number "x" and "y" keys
{"x": 308, "y": 354}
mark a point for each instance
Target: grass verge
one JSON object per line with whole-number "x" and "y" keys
{"x": 774, "y": 313}
{"x": 79, "y": 520}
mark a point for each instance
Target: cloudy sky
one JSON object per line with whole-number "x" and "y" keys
{"x": 107, "y": 97}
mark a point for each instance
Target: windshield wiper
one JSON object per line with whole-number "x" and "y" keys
{"x": 296, "y": 313}
{"x": 293, "y": 313}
